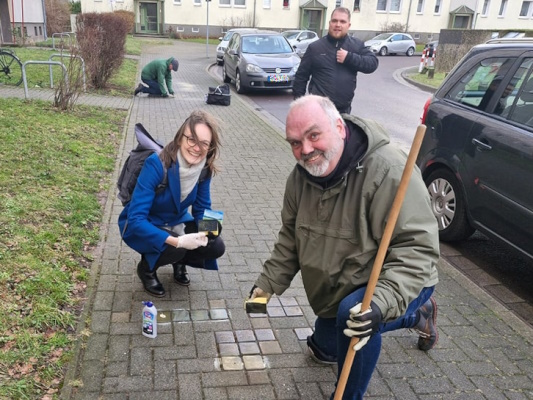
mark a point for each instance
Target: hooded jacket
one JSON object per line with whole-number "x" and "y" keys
{"x": 331, "y": 229}
{"x": 157, "y": 70}
{"x": 328, "y": 77}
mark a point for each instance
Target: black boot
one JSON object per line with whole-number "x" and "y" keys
{"x": 180, "y": 274}
{"x": 149, "y": 279}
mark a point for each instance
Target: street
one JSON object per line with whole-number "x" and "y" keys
{"x": 387, "y": 98}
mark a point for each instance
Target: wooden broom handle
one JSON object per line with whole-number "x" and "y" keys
{"x": 382, "y": 251}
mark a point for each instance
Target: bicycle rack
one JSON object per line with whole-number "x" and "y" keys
{"x": 67, "y": 55}
{"x": 61, "y": 34}
{"x": 65, "y": 75}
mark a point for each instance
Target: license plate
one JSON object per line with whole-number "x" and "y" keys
{"x": 278, "y": 78}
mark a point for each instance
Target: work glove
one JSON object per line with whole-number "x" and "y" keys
{"x": 363, "y": 323}
{"x": 192, "y": 241}
{"x": 258, "y": 292}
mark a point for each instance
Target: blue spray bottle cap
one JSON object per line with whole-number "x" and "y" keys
{"x": 148, "y": 303}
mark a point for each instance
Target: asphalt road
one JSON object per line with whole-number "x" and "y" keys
{"x": 389, "y": 99}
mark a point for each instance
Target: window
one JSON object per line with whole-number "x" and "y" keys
{"x": 195, "y": 30}
{"x": 437, "y": 6}
{"x": 485, "y": 9}
{"x": 239, "y": 3}
{"x": 395, "y": 5}
{"x": 286, "y": 3}
{"x": 177, "y": 2}
{"x": 420, "y": 7}
{"x": 197, "y": 2}
{"x": 40, "y": 31}
{"x": 382, "y": 5}
{"x": 503, "y": 8}
{"x": 338, "y": 3}
{"x": 267, "y": 3}
{"x": 389, "y": 5}
{"x": 478, "y": 86}
{"x": 224, "y": 3}
{"x": 357, "y": 5}
{"x": 35, "y": 30}
{"x": 526, "y": 8}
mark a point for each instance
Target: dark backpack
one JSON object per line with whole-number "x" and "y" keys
{"x": 134, "y": 163}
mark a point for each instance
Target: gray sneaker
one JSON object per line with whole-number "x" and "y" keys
{"x": 427, "y": 325}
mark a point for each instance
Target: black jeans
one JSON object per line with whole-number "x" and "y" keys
{"x": 195, "y": 258}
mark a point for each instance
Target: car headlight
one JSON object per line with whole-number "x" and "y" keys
{"x": 295, "y": 68}
{"x": 253, "y": 68}
{"x": 375, "y": 46}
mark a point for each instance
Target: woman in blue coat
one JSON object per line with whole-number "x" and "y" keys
{"x": 162, "y": 224}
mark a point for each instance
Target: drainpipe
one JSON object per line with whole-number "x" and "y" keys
{"x": 45, "y": 36}
{"x": 408, "y": 15}
{"x": 22, "y": 22}
{"x": 13, "y": 18}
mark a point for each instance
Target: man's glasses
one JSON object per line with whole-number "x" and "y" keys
{"x": 192, "y": 142}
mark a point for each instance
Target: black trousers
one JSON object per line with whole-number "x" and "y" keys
{"x": 195, "y": 258}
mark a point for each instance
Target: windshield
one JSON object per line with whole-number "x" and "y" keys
{"x": 383, "y": 36}
{"x": 227, "y": 36}
{"x": 290, "y": 34}
{"x": 265, "y": 44}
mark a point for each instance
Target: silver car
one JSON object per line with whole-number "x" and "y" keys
{"x": 392, "y": 43}
{"x": 263, "y": 60}
{"x": 300, "y": 39}
{"x": 221, "y": 48}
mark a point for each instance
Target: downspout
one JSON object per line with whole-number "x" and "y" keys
{"x": 408, "y": 15}
{"x": 253, "y": 22}
{"x": 22, "y": 22}
{"x": 13, "y": 16}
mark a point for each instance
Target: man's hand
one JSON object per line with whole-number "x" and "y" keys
{"x": 192, "y": 241}
{"x": 258, "y": 292}
{"x": 341, "y": 55}
{"x": 257, "y": 300}
{"x": 363, "y": 323}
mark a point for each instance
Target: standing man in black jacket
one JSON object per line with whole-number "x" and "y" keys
{"x": 332, "y": 63}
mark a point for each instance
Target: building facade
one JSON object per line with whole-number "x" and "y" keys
{"x": 422, "y": 18}
{"x": 22, "y": 19}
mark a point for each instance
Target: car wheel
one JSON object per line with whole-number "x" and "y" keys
{"x": 410, "y": 52}
{"x": 383, "y": 51}
{"x": 448, "y": 205}
{"x": 225, "y": 76}
{"x": 238, "y": 83}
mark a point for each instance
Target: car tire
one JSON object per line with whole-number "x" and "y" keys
{"x": 225, "y": 76}
{"x": 410, "y": 51}
{"x": 448, "y": 204}
{"x": 238, "y": 83}
{"x": 383, "y": 51}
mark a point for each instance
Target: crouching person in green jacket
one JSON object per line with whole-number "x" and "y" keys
{"x": 336, "y": 203}
{"x": 157, "y": 77}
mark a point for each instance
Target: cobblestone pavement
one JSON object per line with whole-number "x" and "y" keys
{"x": 207, "y": 346}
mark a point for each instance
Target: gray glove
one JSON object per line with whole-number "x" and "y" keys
{"x": 192, "y": 241}
{"x": 363, "y": 323}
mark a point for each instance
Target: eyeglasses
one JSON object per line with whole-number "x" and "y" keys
{"x": 192, "y": 142}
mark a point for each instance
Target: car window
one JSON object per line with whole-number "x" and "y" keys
{"x": 383, "y": 36}
{"x": 265, "y": 44}
{"x": 405, "y": 37}
{"x": 228, "y": 36}
{"x": 518, "y": 104}
{"x": 290, "y": 35}
{"x": 234, "y": 43}
{"x": 396, "y": 38}
{"x": 477, "y": 86}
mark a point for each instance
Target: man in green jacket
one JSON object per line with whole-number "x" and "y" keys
{"x": 336, "y": 203}
{"x": 157, "y": 76}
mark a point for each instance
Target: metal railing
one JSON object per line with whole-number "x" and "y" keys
{"x": 65, "y": 75}
{"x": 70, "y": 35}
{"x": 70, "y": 56}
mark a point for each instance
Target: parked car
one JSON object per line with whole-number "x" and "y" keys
{"x": 392, "y": 43}
{"x": 477, "y": 154}
{"x": 300, "y": 39}
{"x": 263, "y": 60}
{"x": 221, "y": 48}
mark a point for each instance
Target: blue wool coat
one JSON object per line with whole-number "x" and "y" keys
{"x": 141, "y": 218}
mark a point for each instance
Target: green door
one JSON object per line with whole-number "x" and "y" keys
{"x": 312, "y": 20}
{"x": 148, "y": 17}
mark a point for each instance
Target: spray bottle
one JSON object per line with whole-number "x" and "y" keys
{"x": 149, "y": 320}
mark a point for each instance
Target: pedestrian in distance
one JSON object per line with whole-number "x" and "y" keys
{"x": 335, "y": 208}
{"x": 157, "y": 223}
{"x": 158, "y": 78}
{"x": 332, "y": 64}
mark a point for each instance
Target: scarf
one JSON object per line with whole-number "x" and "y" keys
{"x": 189, "y": 175}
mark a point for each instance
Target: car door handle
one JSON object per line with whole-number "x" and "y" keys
{"x": 480, "y": 145}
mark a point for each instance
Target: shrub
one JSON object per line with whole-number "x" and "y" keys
{"x": 101, "y": 39}
{"x": 57, "y": 16}
{"x": 128, "y": 16}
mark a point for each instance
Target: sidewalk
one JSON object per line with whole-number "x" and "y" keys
{"x": 210, "y": 348}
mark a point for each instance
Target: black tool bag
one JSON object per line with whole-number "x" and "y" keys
{"x": 219, "y": 95}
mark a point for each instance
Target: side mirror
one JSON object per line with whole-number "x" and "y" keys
{"x": 220, "y": 38}
{"x": 232, "y": 52}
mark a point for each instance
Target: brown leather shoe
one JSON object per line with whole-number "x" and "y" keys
{"x": 427, "y": 325}
{"x": 149, "y": 279}
{"x": 180, "y": 274}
